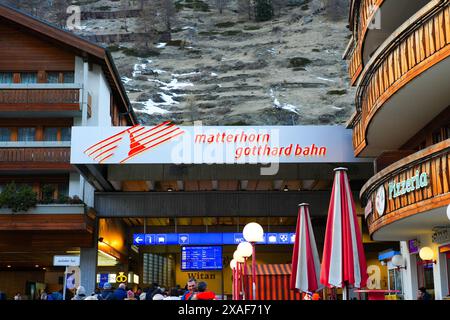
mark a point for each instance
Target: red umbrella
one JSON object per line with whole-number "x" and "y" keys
{"x": 343, "y": 261}
{"x": 305, "y": 258}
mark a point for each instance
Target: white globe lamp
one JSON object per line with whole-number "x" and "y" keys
{"x": 245, "y": 249}
{"x": 426, "y": 254}
{"x": 253, "y": 232}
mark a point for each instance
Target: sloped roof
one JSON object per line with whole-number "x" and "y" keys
{"x": 76, "y": 44}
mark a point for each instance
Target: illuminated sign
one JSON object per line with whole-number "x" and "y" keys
{"x": 168, "y": 143}
{"x": 201, "y": 258}
{"x": 420, "y": 180}
{"x": 140, "y": 239}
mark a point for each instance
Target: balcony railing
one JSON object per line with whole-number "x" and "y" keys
{"x": 416, "y": 46}
{"x": 17, "y": 97}
{"x": 17, "y": 155}
{"x": 417, "y": 183}
{"x": 365, "y": 14}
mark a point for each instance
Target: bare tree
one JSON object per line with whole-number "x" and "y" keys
{"x": 167, "y": 12}
{"x": 125, "y": 5}
{"x": 221, "y": 4}
{"x": 246, "y": 8}
{"x": 278, "y": 5}
{"x": 335, "y": 9}
{"x": 59, "y": 8}
{"x": 148, "y": 22}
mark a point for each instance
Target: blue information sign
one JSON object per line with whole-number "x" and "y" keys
{"x": 201, "y": 258}
{"x": 183, "y": 239}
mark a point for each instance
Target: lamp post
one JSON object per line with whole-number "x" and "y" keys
{"x": 240, "y": 261}
{"x": 245, "y": 250}
{"x": 253, "y": 233}
{"x": 233, "y": 268}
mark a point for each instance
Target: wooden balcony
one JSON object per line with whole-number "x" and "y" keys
{"x": 417, "y": 192}
{"x": 362, "y": 12}
{"x": 415, "y": 48}
{"x": 40, "y": 98}
{"x": 34, "y": 158}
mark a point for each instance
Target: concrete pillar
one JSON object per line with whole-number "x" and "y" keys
{"x": 440, "y": 276}
{"x": 88, "y": 264}
{"x": 409, "y": 276}
{"x": 85, "y": 94}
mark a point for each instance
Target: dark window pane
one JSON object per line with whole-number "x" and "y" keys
{"x": 6, "y": 77}
{"x": 63, "y": 190}
{"x": 5, "y": 134}
{"x": 65, "y": 134}
{"x": 51, "y": 134}
{"x": 28, "y": 77}
{"x": 52, "y": 77}
{"x": 26, "y": 134}
{"x": 69, "y": 77}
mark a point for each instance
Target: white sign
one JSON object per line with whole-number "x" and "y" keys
{"x": 380, "y": 200}
{"x": 66, "y": 261}
{"x": 169, "y": 144}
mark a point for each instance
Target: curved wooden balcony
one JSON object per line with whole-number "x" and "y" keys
{"x": 361, "y": 14}
{"x": 413, "y": 50}
{"x": 414, "y": 202}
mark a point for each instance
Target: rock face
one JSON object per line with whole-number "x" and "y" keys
{"x": 223, "y": 69}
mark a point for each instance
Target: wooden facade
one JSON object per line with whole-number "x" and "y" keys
{"x": 422, "y": 46}
{"x": 435, "y": 162}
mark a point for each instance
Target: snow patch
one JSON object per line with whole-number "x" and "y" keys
{"x": 161, "y": 45}
{"x": 286, "y": 106}
{"x": 325, "y": 79}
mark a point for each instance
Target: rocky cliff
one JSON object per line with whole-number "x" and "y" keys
{"x": 224, "y": 69}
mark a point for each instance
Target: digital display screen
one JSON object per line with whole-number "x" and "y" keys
{"x": 201, "y": 258}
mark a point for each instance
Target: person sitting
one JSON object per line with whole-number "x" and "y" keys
{"x": 80, "y": 294}
{"x": 107, "y": 292}
{"x": 173, "y": 295}
{"x": 203, "y": 293}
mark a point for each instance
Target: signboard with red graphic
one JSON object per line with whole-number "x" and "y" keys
{"x": 168, "y": 143}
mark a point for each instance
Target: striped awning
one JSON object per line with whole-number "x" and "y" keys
{"x": 271, "y": 269}
{"x": 272, "y": 282}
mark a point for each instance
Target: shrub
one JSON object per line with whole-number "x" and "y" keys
{"x": 18, "y": 198}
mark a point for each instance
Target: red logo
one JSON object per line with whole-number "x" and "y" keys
{"x": 140, "y": 140}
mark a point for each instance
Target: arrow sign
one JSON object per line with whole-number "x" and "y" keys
{"x": 138, "y": 239}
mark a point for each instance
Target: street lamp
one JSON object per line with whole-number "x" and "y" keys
{"x": 253, "y": 233}
{"x": 427, "y": 254}
{"x": 448, "y": 212}
{"x": 397, "y": 261}
{"x": 245, "y": 250}
{"x": 240, "y": 260}
{"x": 233, "y": 268}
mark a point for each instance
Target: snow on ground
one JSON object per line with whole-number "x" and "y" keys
{"x": 279, "y": 105}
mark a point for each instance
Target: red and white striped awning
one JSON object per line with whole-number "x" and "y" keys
{"x": 305, "y": 258}
{"x": 343, "y": 261}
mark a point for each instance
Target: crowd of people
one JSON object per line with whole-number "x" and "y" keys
{"x": 192, "y": 291}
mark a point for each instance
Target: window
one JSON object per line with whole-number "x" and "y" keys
{"x": 52, "y": 77}
{"x": 5, "y": 134}
{"x": 65, "y": 134}
{"x": 6, "y": 77}
{"x": 63, "y": 189}
{"x": 28, "y": 77}
{"x": 50, "y": 134}
{"x": 69, "y": 77}
{"x": 26, "y": 134}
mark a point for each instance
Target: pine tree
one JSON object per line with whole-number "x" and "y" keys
{"x": 263, "y": 10}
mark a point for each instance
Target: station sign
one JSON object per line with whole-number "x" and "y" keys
{"x": 66, "y": 261}
{"x": 167, "y": 143}
{"x": 182, "y": 239}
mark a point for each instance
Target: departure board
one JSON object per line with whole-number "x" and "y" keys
{"x": 201, "y": 258}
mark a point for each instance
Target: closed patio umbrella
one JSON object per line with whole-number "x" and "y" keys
{"x": 305, "y": 258}
{"x": 343, "y": 261}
